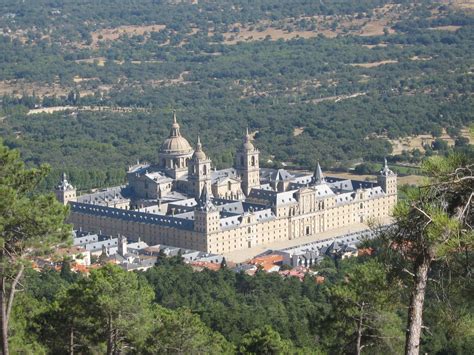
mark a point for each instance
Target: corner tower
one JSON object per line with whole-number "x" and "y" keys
{"x": 206, "y": 215}
{"x": 247, "y": 164}
{"x": 64, "y": 191}
{"x": 199, "y": 171}
{"x": 388, "y": 180}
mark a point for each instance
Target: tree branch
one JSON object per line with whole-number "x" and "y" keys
{"x": 13, "y": 290}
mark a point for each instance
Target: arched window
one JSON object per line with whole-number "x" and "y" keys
{"x": 229, "y": 186}
{"x": 253, "y": 161}
{"x": 204, "y": 170}
{"x": 249, "y": 229}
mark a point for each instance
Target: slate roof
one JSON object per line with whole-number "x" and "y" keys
{"x": 219, "y": 175}
{"x": 274, "y": 198}
{"x": 137, "y": 245}
{"x": 108, "y": 243}
{"x": 132, "y": 215}
{"x": 90, "y": 238}
{"x": 158, "y": 177}
{"x": 106, "y": 196}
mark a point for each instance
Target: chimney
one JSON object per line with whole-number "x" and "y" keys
{"x": 122, "y": 245}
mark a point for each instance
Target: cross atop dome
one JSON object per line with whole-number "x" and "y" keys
{"x": 175, "y": 127}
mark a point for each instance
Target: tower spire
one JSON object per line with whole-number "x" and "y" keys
{"x": 175, "y": 126}
{"x": 65, "y": 191}
{"x": 205, "y": 202}
{"x": 248, "y": 140}
{"x": 386, "y": 170}
{"x": 318, "y": 176}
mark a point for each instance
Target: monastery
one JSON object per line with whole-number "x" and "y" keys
{"x": 181, "y": 201}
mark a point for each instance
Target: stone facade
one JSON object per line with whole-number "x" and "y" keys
{"x": 220, "y": 211}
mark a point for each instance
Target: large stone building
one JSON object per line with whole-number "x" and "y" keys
{"x": 182, "y": 202}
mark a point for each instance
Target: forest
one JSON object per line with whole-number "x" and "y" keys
{"x": 171, "y": 309}
{"x": 337, "y": 96}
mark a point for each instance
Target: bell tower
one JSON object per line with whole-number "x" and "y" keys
{"x": 247, "y": 164}
{"x": 199, "y": 171}
{"x": 64, "y": 191}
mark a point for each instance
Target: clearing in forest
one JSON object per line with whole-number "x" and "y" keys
{"x": 328, "y": 26}
{"x": 298, "y": 131}
{"x": 112, "y": 34}
{"x": 374, "y": 64}
{"x": 461, "y": 4}
{"x": 20, "y": 87}
{"x": 446, "y": 28}
{"x": 419, "y": 141}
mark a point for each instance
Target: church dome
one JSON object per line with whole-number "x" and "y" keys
{"x": 248, "y": 145}
{"x": 175, "y": 143}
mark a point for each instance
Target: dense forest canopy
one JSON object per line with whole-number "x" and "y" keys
{"x": 328, "y": 81}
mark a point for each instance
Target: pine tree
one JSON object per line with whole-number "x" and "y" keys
{"x": 433, "y": 224}
{"x": 28, "y": 222}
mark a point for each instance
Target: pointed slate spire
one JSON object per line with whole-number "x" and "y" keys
{"x": 205, "y": 202}
{"x": 204, "y": 195}
{"x": 318, "y": 175}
